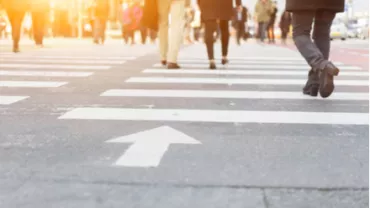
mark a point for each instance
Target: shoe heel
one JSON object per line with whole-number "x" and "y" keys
{"x": 314, "y": 91}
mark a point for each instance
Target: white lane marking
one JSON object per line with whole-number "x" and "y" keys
{"x": 31, "y": 84}
{"x": 231, "y": 81}
{"x": 246, "y": 72}
{"x": 45, "y": 73}
{"x": 218, "y": 116}
{"x": 267, "y": 58}
{"x": 40, "y": 56}
{"x": 149, "y": 146}
{"x": 54, "y": 66}
{"x": 33, "y": 60}
{"x": 256, "y": 66}
{"x": 7, "y": 100}
{"x": 227, "y": 94}
{"x": 266, "y": 62}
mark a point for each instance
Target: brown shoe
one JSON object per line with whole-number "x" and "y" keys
{"x": 173, "y": 66}
{"x": 164, "y": 62}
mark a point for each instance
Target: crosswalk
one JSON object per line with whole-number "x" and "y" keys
{"x": 263, "y": 77}
{"x": 21, "y": 73}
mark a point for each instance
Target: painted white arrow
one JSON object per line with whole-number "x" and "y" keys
{"x": 149, "y": 146}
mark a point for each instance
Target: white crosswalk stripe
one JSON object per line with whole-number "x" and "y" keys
{"x": 290, "y": 73}
{"x": 21, "y": 73}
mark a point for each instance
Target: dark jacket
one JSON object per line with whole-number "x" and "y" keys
{"x": 244, "y": 17}
{"x": 217, "y": 9}
{"x": 313, "y": 5}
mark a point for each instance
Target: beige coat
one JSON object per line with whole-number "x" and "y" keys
{"x": 263, "y": 11}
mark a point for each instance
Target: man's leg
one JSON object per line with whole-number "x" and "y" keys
{"x": 176, "y": 30}
{"x": 302, "y": 22}
{"x": 96, "y": 27}
{"x": 321, "y": 31}
{"x": 321, "y": 36}
{"x": 225, "y": 37}
{"x": 16, "y": 19}
{"x": 163, "y": 10}
{"x": 238, "y": 32}
{"x": 210, "y": 28}
{"x": 103, "y": 28}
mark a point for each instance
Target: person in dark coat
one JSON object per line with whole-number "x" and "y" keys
{"x": 322, "y": 12}
{"x": 271, "y": 24}
{"x": 284, "y": 24}
{"x": 214, "y": 13}
{"x": 101, "y": 12}
{"x": 16, "y": 10}
{"x": 240, "y": 18}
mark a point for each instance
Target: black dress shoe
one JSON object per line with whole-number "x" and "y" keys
{"x": 173, "y": 66}
{"x": 312, "y": 84}
{"x": 327, "y": 80}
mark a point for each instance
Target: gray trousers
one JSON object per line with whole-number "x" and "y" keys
{"x": 315, "y": 52}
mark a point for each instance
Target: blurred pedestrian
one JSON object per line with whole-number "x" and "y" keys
{"x": 39, "y": 12}
{"x": 170, "y": 44}
{"x": 316, "y": 52}
{"x": 101, "y": 10}
{"x": 263, "y": 10}
{"x": 284, "y": 24}
{"x": 240, "y": 18}
{"x": 189, "y": 17}
{"x": 271, "y": 24}
{"x": 216, "y": 13}
{"x": 16, "y": 10}
{"x": 131, "y": 21}
{"x": 196, "y": 25}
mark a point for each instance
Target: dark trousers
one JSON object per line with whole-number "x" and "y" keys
{"x": 262, "y": 30}
{"x": 315, "y": 52}
{"x": 16, "y": 19}
{"x": 240, "y": 30}
{"x": 38, "y": 26}
{"x": 211, "y": 27}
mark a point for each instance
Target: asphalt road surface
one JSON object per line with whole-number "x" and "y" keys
{"x": 85, "y": 125}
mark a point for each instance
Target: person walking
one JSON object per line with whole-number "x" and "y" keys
{"x": 100, "y": 14}
{"x": 16, "y": 10}
{"x": 39, "y": 12}
{"x": 271, "y": 24}
{"x": 216, "y": 13}
{"x": 284, "y": 24}
{"x": 316, "y": 52}
{"x": 169, "y": 47}
{"x": 263, "y": 10}
{"x": 240, "y": 18}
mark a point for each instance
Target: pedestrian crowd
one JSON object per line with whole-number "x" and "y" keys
{"x": 173, "y": 21}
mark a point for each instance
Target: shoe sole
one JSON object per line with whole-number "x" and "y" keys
{"x": 327, "y": 82}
